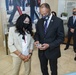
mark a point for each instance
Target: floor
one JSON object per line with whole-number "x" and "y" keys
{"x": 66, "y": 63}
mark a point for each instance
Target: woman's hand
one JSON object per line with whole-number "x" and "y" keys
{"x": 27, "y": 58}
{"x": 22, "y": 56}
{"x": 19, "y": 54}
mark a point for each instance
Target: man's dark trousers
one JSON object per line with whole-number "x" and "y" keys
{"x": 44, "y": 64}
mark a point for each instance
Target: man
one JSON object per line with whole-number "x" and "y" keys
{"x": 71, "y": 28}
{"x": 48, "y": 37}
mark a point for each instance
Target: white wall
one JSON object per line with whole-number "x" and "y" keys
{"x": 63, "y": 7}
{"x": 53, "y": 4}
{"x": 3, "y": 15}
{"x": 42, "y": 1}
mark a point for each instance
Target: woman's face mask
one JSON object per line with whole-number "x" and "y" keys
{"x": 26, "y": 23}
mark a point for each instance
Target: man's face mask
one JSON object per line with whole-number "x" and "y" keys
{"x": 45, "y": 17}
{"x": 74, "y": 12}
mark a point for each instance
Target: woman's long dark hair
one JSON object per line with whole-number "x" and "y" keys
{"x": 20, "y": 24}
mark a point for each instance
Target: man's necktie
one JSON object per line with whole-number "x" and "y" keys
{"x": 45, "y": 25}
{"x": 45, "y": 22}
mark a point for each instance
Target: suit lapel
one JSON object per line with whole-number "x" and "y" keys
{"x": 50, "y": 24}
{"x": 28, "y": 38}
{"x": 72, "y": 19}
{"x": 42, "y": 26}
{"x": 20, "y": 39}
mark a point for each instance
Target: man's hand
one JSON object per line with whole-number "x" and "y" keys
{"x": 72, "y": 30}
{"x": 44, "y": 46}
{"x": 37, "y": 42}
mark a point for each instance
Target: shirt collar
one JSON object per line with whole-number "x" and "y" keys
{"x": 50, "y": 17}
{"x": 74, "y": 17}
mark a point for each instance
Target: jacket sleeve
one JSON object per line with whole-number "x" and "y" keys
{"x": 68, "y": 24}
{"x": 31, "y": 44}
{"x": 11, "y": 45}
{"x": 60, "y": 36}
{"x": 36, "y": 36}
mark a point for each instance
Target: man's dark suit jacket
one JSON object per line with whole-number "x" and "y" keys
{"x": 70, "y": 23}
{"x": 54, "y": 36}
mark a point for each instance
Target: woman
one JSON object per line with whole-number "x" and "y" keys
{"x": 20, "y": 43}
{"x": 54, "y": 13}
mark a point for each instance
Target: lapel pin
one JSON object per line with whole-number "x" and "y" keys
{"x": 51, "y": 20}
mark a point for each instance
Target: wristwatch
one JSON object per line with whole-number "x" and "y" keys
{"x": 30, "y": 53}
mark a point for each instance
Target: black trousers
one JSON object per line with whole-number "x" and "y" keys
{"x": 44, "y": 64}
{"x": 70, "y": 35}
